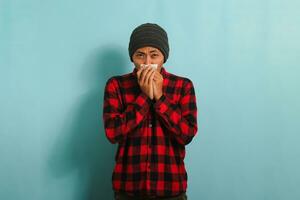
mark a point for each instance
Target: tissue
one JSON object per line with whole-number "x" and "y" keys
{"x": 151, "y": 65}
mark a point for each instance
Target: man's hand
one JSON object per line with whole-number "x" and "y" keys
{"x": 157, "y": 85}
{"x": 145, "y": 80}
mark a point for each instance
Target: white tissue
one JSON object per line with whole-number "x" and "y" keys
{"x": 151, "y": 65}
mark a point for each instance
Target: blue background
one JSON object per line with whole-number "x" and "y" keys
{"x": 242, "y": 56}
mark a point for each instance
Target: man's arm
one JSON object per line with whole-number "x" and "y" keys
{"x": 180, "y": 119}
{"x": 118, "y": 122}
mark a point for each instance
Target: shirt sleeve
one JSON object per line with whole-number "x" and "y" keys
{"x": 180, "y": 119}
{"x": 119, "y": 121}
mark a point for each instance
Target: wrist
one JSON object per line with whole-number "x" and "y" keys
{"x": 157, "y": 97}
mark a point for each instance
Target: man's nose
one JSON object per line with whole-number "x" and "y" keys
{"x": 148, "y": 60}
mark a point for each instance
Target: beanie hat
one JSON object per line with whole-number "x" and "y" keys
{"x": 149, "y": 34}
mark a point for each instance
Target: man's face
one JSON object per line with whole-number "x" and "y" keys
{"x": 148, "y": 55}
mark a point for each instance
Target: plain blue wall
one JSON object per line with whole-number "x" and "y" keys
{"x": 243, "y": 57}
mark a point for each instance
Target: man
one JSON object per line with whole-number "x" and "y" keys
{"x": 152, "y": 115}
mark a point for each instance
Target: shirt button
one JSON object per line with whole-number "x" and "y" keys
{"x": 150, "y": 125}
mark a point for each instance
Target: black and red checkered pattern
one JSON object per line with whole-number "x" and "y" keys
{"x": 151, "y": 135}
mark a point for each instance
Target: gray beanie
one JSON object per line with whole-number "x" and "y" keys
{"x": 149, "y": 34}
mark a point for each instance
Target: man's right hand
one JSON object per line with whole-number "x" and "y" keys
{"x": 145, "y": 78}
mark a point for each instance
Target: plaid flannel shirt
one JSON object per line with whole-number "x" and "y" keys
{"x": 151, "y": 135}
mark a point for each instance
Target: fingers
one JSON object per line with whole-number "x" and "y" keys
{"x": 148, "y": 78}
{"x": 157, "y": 76}
{"x": 142, "y": 76}
{"x": 151, "y": 75}
{"x": 145, "y": 75}
{"x": 154, "y": 87}
{"x": 139, "y": 73}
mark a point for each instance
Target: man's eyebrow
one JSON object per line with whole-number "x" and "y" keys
{"x": 153, "y": 51}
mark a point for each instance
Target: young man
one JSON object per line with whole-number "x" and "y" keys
{"x": 152, "y": 115}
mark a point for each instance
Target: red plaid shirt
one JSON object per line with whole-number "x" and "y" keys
{"x": 151, "y": 135}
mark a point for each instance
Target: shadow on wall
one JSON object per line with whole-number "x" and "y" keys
{"x": 82, "y": 149}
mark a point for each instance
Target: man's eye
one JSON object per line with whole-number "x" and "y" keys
{"x": 154, "y": 55}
